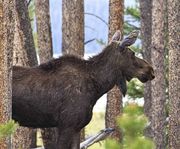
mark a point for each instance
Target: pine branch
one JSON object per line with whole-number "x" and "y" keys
{"x": 134, "y": 12}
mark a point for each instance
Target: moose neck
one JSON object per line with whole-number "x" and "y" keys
{"x": 105, "y": 68}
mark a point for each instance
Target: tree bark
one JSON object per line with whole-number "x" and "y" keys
{"x": 44, "y": 42}
{"x": 73, "y": 27}
{"x": 158, "y": 84}
{"x": 114, "y": 97}
{"x": 26, "y": 37}
{"x": 24, "y": 54}
{"x": 174, "y": 73}
{"x": 43, "y": 30}
{"x": 6, "y": 48}
{"x": 146, "y": 33}
{"x": 73, "y": 31}
{"x": 146, "y": 29}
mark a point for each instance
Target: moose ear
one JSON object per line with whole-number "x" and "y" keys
{"x": 117, "y": 36}
{"x": 130, "y": 39}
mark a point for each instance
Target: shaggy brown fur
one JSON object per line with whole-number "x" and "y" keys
{"x": 62, "y": 92}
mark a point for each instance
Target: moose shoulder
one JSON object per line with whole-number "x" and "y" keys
{"x": 62, "y": 92}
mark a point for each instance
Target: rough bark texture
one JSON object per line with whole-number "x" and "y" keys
{"x": 174, "y": 73}
{"x": 146, "y": 29}
{"x": 45, "y": 54}
{"x": 6, "y": 48}
{"x": 43, "y": 30}
{"x": 23, "y": 55}
{"x": 73, "y": 31}
{"x": 114, "y": 97}
{"x": 73, "y": 27}
{"x": 158, "y": 84}
{"x": 25, "y": 33}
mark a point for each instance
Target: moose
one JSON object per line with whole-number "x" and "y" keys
{"x": 62, "y": 92}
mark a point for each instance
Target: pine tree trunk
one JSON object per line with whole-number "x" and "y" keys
{"x": 146, "y": 29}
{"x": 73, "y": 31}
{"x": 146, "y": 33}
{"x": 6, "y": 48}
{"x": 25, "y": 33}
{"x": 158, "y": 84}
{"x": 44, "y": 42}
{"x": 23, "y": 55}
{"x": 174, "y": 73}
{"x": 73, "y": 27}
{"x": 43, "y": 30}
{"x": 114, "y": 97}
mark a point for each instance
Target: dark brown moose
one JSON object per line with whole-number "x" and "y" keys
{"x": 62, "y": 92}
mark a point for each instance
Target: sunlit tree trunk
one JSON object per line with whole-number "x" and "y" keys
{"x": 44, "y": 42}
{"x": 174, "y": 73}
{"x": 23, "y": 55}
{"x": 114, "y": 97}
{"x": 73, "y": 30}
{"x": 6, "y": 48}
{"x": 158, "y": 84}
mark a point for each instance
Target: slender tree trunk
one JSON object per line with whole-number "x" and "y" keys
{"x": 45, "y": 52}
{"x": 114, "y": 97}
{"x": 23, "y": 55}
{"x": 174, "y": 73}
{"x": 6, "y": 48}
{"x": 25, "y": 32}
{"x": 43, "y": 30}
{"x": 73, "y": 31}
{"x": 73, "y": 27}
{"x": 146, "y": 29}
{"x": 158, "y": 84}
{"x": 146, "y": 33}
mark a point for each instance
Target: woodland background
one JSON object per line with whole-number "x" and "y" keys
{"x": 30, "y": 34}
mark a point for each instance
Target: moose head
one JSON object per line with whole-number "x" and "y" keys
{"x": 129, "y": 65}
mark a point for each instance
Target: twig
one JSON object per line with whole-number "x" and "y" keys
{"x": 91, "y": 28}
{"x": 131, "y": 25}
{"x": 87, "y": 13}
{"x": 89, "y": 41}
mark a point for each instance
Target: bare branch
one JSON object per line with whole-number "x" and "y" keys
{"x": 87, "y": 13}
{"x": 89, "y": 41}
{"x": 133, "y": 26}
{"x": 91, "y": 28}
{"x": 97, "y": 138}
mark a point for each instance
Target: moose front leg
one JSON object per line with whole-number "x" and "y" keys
{"x": 68, "y": 138}
{"x": 76, "y": 141}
